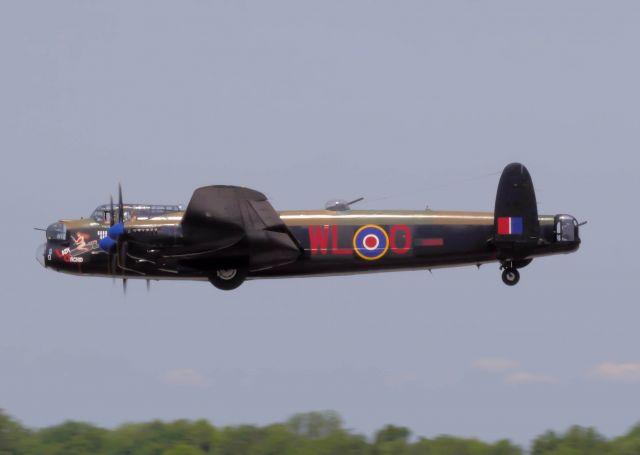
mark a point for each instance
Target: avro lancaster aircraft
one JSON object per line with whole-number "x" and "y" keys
{"x": 229, "y": 234}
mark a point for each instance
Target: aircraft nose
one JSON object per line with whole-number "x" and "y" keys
{"x": 40, "y": 254}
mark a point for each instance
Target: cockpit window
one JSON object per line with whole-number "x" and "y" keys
{"x": 102, "y": 213}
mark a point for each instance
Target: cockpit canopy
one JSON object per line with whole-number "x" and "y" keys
{"x": 102, "y": 213}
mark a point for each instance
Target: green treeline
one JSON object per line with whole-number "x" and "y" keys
{"x": 314, "y": 433}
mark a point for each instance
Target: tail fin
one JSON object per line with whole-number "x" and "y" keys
{"x": 516, "y": 212}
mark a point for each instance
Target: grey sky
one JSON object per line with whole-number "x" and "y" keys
{"x": 405, "y": 103}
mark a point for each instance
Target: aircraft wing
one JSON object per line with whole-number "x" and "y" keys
{"x": 230, "y": 223}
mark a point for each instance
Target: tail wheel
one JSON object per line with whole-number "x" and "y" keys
{"x": 228, "y": 279}
{"x": 510, "y": 276}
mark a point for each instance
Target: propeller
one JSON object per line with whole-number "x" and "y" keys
{"x": 114, "y": 243}
{"x": 120, "y": 205}
{"x": 117, "y": 232}
{"x": 111, "y": 264}
{"x": 111, "y": 213}
{"x": 108, "y": 243}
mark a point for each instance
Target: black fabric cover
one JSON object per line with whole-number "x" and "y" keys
{"x": 227, "y": 221}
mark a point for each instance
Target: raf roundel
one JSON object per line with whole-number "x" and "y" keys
{"x": 370, "y": 242}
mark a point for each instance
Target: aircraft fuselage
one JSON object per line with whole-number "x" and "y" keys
{"x": 331, "y": 243}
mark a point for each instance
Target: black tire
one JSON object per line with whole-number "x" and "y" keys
{"x": 510, "y": 276}
{"x": 228, "y": 279}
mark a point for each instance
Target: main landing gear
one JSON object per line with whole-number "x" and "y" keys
{"x": 510, "y": 274}
{"x": 228, "y": 279}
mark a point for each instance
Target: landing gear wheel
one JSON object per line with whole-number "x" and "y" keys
{"x": 228, "y": 279}
{"x": 510, "y": 276}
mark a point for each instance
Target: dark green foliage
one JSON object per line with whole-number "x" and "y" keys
{"x": 14, "y": 439}
{"x": 449, "y": 445}
{"x": 72, "y": 438}
{"x": 391, "y": 433}
{"x": 315, "y": 425}
{"x": 312, "y": 433}
{"x": 391, "y": 440}
{"x": 577, "y": 440}
{"x": 628, "y": 444}
{"x": 546, "y": 443}
{"x": 156, "y": 437}
{"x": 240, "y": 440}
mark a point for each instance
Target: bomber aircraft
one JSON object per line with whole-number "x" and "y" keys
{"x": 228, "y": 234}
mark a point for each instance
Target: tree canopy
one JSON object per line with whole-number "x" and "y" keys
{"x": 312, "y": 433}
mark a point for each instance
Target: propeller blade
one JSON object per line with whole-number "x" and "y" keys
{"x": 124, "y": 286}
{"x": 119, "y": 253}
{"x": 120, "y": 205}
{"x": 148, "y": 285}
{"x": 112, "y": 214}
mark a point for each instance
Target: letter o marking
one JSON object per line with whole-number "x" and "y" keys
{"x": 400, "y": 229}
